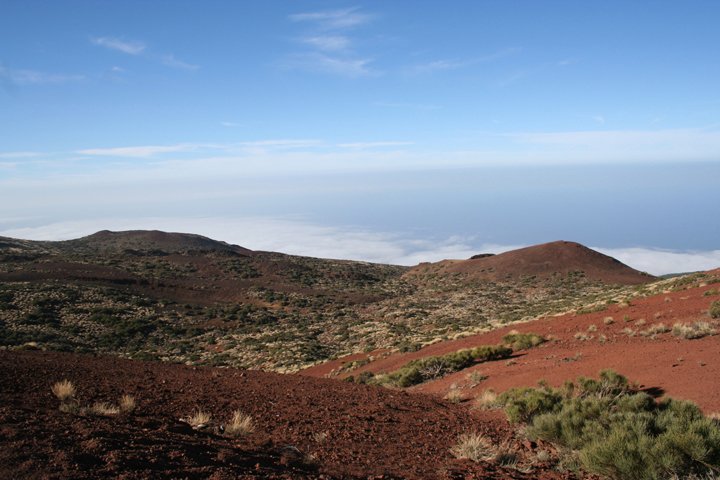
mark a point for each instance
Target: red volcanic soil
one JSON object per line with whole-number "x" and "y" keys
{"x": 305, "y": 427}
{"x": 663, "y": 364}
{"x": 555, "y": 258}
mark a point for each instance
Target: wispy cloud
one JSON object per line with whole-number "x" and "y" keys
{"x": 351, "y": 67}
{"x": 334, "y": 19}
{"x": 363, "y": 145}
{"x": 124, "y": 46}
{"x": 141, "y": 151}
{"x": 15, "y": 155}
{"x": 138, "y": 48}
{"x": 453, "y": 64}
{"x": 327, "y": 48}
{"x": 599, "y": 119}
{"x": 171, "y": 61}
{"x": 329, "y": 43}
{"x": 231, "y": 124}
{"x": 409, "y": 105}
{"x": 34, "y": 77}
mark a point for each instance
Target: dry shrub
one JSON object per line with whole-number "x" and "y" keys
{"x": 454, "y": 395}
{"x": 104, "y": 409}
{"x": 473, "y": 446}
{"x": 655, "y": 330}
{"x": 486, "y": 400}
{"x": 199, "y": 419}
{"x": 127, "y": 403}
{"x": 592, "y": 328}
{"x": 692, "y": 331}
{"x": 608, "y": 320}
{"x": 240, "y": 424}
{"x": 64, "y": 390}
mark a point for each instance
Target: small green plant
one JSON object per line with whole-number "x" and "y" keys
{"x": 714, "y": 310}
{"x": 522, "y": 341}
{"x": 429, "y": 368}
{"x": 616, "y": 431}
{"x": 473, "y": 446}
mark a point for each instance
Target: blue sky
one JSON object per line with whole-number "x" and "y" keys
{"x": 386, "y": 131}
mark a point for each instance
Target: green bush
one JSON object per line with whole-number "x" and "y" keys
{"x": 715, "y": 309}
{"x": 523, "y": 341}
{"x": 617, "y": 431}
{"x": 429, "y": 368}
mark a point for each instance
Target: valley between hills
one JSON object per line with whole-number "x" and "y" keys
{"x": 388, "y": 365}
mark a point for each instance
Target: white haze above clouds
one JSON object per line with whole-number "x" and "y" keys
{"x": 299, "y": 237}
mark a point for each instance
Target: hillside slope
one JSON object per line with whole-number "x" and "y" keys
{"x": 554, "y": 259}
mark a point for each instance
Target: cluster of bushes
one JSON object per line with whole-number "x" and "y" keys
{"x": 523, "y": 341}
{"x": 429, "y": 368}
{"x": 618, "y": 431}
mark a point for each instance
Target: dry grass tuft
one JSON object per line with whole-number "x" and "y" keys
{"x": 608, "y": 320}
{"x": 104, "y": 409}
{"x": 199, "y": 419}
{"x": 64, "y": 390}
{"x": 240, "y": 424}
{"x": 592, "y": 328}
{"x": 127, "y": 403}
{"x": 473, "y": 446}
{"x": 454, "y": 395}
{"x": 486, "y": 400}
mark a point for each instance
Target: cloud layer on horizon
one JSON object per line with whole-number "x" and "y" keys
{"x": 298, "y": 237}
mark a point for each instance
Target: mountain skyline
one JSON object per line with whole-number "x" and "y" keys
{"x": 373, "y": 131}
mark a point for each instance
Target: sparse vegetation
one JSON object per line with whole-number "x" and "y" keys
{"x": 486, "y": 400}
{"x": 608, "y": 320}
{"x": 691, "y": 331}
{"x": 473, "y": 446}
{"x": 103, "y": 409}
{"x": 240, "y": 424}
{"x": 429, "y": 368}
{"x": 64, "y": 390}
{"x": 522, "y": 341}
{"x": 618, "y": 431}
{"x": 199, "y": 419}
{"x": 127, "y": 403}
{"x": 714, "y": 310}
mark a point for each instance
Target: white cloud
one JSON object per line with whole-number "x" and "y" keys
{"x": 171, "y": 61}
{"x": 300, "y": 237}
{"x": 124, "y": 46}
{"x": 19, "y": 154}
{"x": 141, "y": 151}
{"x": 361, "y": 145}
{"x": 33, "y": 77}
{"x": 626, "y": 145}
{"x": 322, "y": 63}
{"x": 334, "y": 19}
{"x": 231, "y": 124}
{"x": 329, "y": 43}
{"x": 660, "y": 262}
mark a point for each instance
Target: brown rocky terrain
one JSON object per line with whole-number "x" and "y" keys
{"x": 304, "y": 427}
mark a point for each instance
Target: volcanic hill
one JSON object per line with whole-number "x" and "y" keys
{"x": 552, "y": 259}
